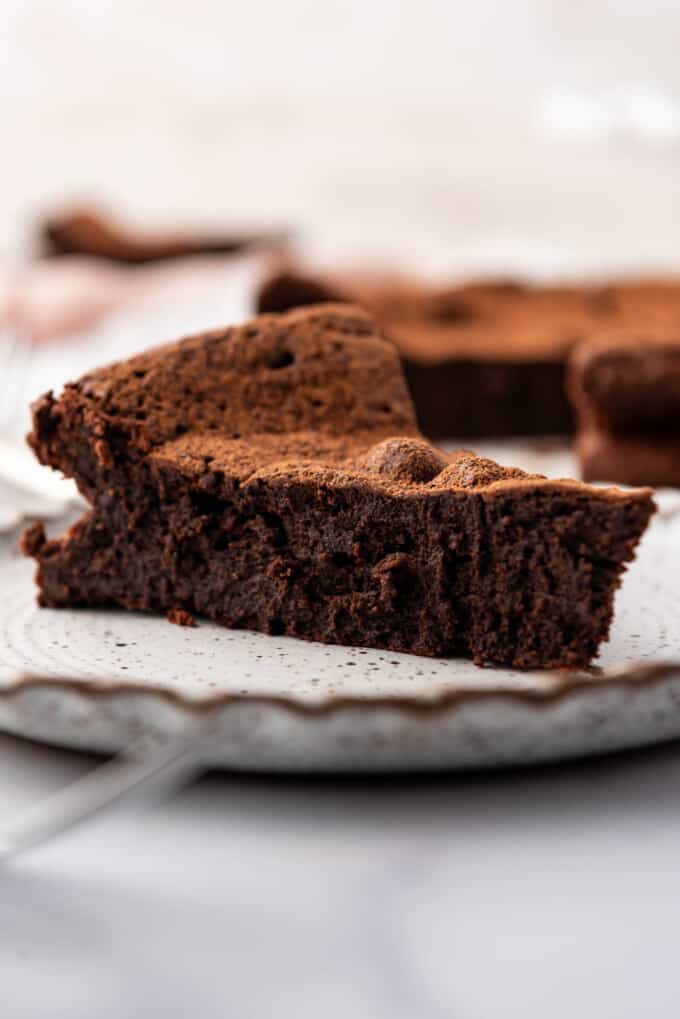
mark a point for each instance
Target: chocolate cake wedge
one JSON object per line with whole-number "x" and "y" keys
{"x": 271, "y": 476}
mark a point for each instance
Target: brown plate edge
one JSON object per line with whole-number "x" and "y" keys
{"x": 569, "y": 684}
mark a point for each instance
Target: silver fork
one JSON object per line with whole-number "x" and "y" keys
{"x": 16, "y": 356}
{"x": 103, "y": 786}
{"x": 18, "y": 468}
{"x": 118, "y": 777}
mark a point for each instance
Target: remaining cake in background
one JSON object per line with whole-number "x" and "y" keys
{"x": 89, "y": 231}
{"x": 626, "y": 393}
{"x": 485, "y": 358}
{"x": 271, "y": 476}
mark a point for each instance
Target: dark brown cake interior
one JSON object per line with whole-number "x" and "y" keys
{"x": 271, "y": 476}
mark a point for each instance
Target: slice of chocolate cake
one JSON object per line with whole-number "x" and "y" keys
{"x": 486, "y": 358}
{"x": 626, "y": 393}
{"x": 271, "y": 476}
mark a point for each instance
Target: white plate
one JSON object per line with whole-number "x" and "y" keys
{"x": 96, "y": 680}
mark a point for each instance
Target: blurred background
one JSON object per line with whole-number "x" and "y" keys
{"x": 542, "y": 134}
{"x": 539, "y": 137}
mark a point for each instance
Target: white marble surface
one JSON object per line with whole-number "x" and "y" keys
{"x": 546, "y": 893}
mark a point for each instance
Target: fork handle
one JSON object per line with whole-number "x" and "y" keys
{"x": 99, "y": 788}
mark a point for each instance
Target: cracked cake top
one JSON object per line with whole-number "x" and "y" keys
{"x": 315, "y": 394}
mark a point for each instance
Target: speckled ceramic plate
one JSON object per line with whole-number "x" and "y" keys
{"x": 96, "y": 680}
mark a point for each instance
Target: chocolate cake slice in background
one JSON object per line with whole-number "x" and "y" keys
{"x": 485, "y": 358}
{"x": 471, "y": 371}
{"x": 271, "y": 476}
{"x": 626, "y": 393}
{"x": 88, "y": 231}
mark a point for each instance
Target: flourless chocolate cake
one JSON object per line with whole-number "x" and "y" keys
{"x": 626, "y": 392}
{"x": 486, "y": 358}
{"x": 86, "y": 231}
{"x": 272, "y": 476}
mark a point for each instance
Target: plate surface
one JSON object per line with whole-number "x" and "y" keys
{"x": 97, "y": 680}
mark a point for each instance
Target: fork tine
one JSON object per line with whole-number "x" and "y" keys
{"x": 16, "y": 355}
{"x": 8, "y": 347}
